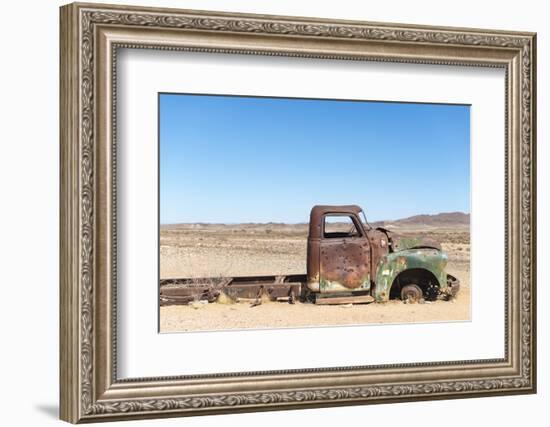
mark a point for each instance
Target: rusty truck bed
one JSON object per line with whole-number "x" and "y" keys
{"x": 183, "y": 291}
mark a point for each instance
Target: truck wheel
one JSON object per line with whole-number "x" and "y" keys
{"x": 411, "y": 294}
{"x": 307, "y": 296}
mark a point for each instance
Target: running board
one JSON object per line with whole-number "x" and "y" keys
{"x": 353, "y": 299}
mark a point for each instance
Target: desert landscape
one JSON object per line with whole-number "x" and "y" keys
{"x": 224, "y": 250}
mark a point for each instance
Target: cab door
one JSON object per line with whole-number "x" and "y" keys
{"x": 344, "y": 255}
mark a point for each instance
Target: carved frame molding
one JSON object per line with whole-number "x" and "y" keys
{"x": 90, "y": 37}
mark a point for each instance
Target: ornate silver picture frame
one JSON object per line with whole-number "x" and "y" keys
{"x": 91, "y": 390}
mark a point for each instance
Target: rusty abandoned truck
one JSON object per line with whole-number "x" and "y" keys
{"x": 348, "y": 261}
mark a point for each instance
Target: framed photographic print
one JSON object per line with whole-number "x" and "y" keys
{"x": 226, "y": 249}
{"x": 266, "y": 212}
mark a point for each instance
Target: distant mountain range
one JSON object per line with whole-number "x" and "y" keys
{"x": 446, "y": 219}
{"x": 438, "y": 220}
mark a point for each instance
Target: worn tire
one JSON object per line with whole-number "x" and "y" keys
{"x": 431, "y": 292}
{"x": 411, "y": 293}
{"x": 307, "y": 296}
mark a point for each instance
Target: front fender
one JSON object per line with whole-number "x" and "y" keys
{"x": 430, "y": 259}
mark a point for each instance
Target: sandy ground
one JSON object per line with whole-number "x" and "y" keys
{"x": 283, "y": 315}
{"x": 206, "y": 250}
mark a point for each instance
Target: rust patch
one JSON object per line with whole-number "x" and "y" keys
{"x": 345, "y": 264}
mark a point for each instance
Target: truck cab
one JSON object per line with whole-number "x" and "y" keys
{"x": 346, "y": 256}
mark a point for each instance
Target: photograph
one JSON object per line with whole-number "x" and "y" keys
{"x": 299, "y": 212}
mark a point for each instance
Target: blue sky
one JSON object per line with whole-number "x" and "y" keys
{"x": 230, "y": 159}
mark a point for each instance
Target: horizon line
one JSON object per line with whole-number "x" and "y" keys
{"x": 304, "y": 222}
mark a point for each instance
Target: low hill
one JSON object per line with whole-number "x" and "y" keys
{"x": 445, "y": 219}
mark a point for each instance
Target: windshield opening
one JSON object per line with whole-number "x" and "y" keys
{"x": 364, "y": 220}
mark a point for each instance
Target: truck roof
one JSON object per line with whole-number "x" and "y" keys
{"x": 319, "y": 210}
